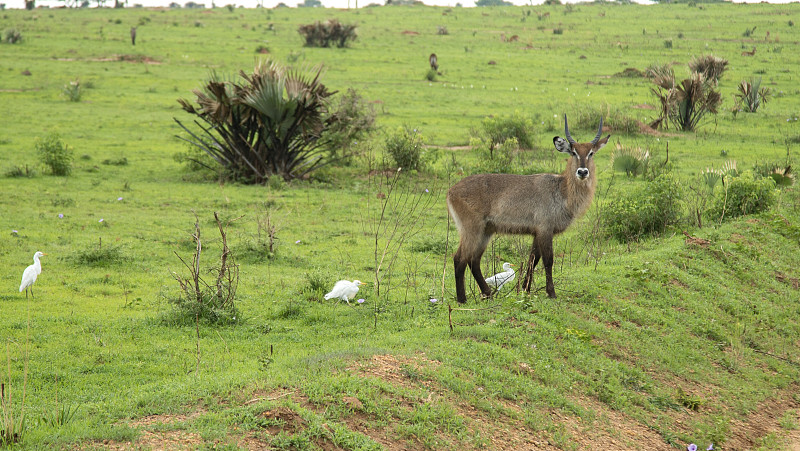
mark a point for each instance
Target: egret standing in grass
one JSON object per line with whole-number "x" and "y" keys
{"x": 502, "y": 278}
{"x": 30, "y": 274}
{"x": 344, "y": 290}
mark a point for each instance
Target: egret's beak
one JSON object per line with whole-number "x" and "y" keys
{"x": 44, "y": 253}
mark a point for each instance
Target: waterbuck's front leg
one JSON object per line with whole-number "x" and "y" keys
{"x": 544, "y": 244}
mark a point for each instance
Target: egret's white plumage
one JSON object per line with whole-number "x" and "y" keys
{"x": 344, "y": 290}
{"x": 30, "y": 274}
{"x": 502, "y": 278}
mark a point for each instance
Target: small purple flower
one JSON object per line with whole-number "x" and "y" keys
{"x": 426, "y": 190}
{"x": 710, "y": 447}
{"x": 297, "y": 242}
{"x": 60, "y": 215}
{"x": 119, "y": 198}
{"x": 434, "y": 300}
{"x": 360, "y": 301}
{"x": 691, "y": 447}
{"x": 14, "y": 232}
{"x": 101, "y": 220}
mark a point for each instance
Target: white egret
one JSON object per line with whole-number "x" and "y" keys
{"x": 30, "y": 274}
{"x": 344, "y": 290}
{"x": 502, "y": 278}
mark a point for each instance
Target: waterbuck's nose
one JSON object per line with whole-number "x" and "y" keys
{"x": 582, "y": 173}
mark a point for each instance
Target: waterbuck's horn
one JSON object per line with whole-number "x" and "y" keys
{"x": 566, "y": 130}
{"x": 599, "y": 132}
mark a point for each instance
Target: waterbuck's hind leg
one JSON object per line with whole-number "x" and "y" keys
{"x": 533, "y": 260}
{"x": 475, "y": 267}
{"x": 460, "y": 266}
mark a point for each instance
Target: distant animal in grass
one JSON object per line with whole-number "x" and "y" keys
{"x": 434, "y": 62}
{"x": 30, "y": 274}
{"x": 498, "y": 280}
{"x": 133, "y": 35}
{"x": 344, "y": 290}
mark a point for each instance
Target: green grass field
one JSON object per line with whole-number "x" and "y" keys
{"x": 654, "y": 344}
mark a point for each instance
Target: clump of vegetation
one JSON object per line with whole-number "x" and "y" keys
{"x": 20, "y": 171}
{"x": 588, "y": 116}
{"x": 13, "y": 36}
{"x": 406, "y": 146}
{"x": 329, "y": 33}
{"x": 648, "y": 211}
{"x": 659, "y": 70}
{"x": 100, "y": 255}
{"x": 55, "y": 154}
{"x": 751, "y": 95}
{"x": 352, "y": 118}
{"x": 431, "y": 74}
{"x": 268, "y": 124}
{"x": 499, "y": 159}
{"x": 212, "y": 302}
{"x": 496, "y": 130}
{"x": 684, "y": 104}
{"x": 633, "y": 161}
{"x": 710, "y": 66}
{"x": 72, "y": 91}
{"x": 781, "y": 173}
{"x": 744, "y": 195}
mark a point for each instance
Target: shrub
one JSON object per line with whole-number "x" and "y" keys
{"x": 658, "y": 70}
{"x": 200, "y": 300}
{"x": 685, "y": 104}
{"x": 352, "y": 118}
{"x": 72, "y": 91}
{"x": 710, "y": 66}
{"x": 781, "y": 173}
{"x": 20, "y": 171}
{"x": 498, "y": 160}
{"x": 431, "y": 74}
{"x": 743, "y": 195}
{"x": 406, "y": 147}
{"x": 327, "y": 34}
{"x": 54, "y": 154}
{"x": 647, "y": 212}
{"x": 495, "y": 130}
{"x": 751, "y": 95}
{"x": 588, "y": 116}
{"x": 269, "y": 124}
{"x": 13, "y": 36}
{"x": 100, "y": 255}
{"x": 633, "y": 161}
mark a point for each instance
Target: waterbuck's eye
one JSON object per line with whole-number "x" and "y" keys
{"x": 590, "y": 154}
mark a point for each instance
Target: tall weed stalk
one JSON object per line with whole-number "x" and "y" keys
{"x": 401, "y": 213}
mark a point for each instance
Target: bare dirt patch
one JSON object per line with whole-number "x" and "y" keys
{"x": 764, "y": 420}
{"x": 127, "y": 58}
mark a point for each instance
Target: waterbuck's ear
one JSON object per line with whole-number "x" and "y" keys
{"x": 600, "y": 144}
{"x": 562, "y": 145}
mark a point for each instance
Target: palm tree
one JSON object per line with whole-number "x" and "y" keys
{"x": 269, "y": 124}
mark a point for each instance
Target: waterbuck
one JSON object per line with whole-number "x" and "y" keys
{"x": 542, "y": 205}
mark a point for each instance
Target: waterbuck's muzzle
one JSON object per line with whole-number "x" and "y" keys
{"x": 582, "y": 173}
